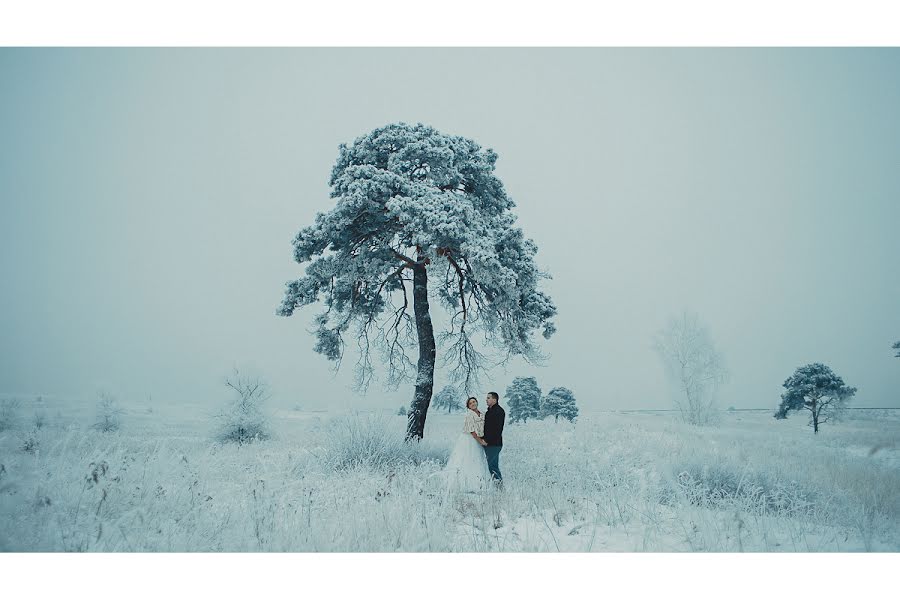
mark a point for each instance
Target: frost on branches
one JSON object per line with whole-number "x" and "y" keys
{"x": 419, "y": 214}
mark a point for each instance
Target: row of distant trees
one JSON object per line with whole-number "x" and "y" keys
{"x": 525, "y": 401}
{"x": 695, "y": 364}
{"x": 523, "y": 397}
{"x": 421, "y": 214}
{"x": 698, "y": 368}
{"x": 685, "y": 346}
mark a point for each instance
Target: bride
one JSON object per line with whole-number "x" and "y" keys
{"x": 467, "y": 468}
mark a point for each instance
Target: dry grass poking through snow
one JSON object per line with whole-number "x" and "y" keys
{"x": 347, "y": 483}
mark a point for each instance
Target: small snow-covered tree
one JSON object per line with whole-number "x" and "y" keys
{"x": 896, "y": 347}
{"x": 109, "y": 414}
{"x": 449, "y": 397}
{"x": 419, "y": 214}
{"x": 816, "y": 388}
{"x": 694, "y": 363}
{"x": 243, "y": 419}
{"x": 524, "y": 399}
{"x": 559, "y": 402}
{"x": 402, "y": 411}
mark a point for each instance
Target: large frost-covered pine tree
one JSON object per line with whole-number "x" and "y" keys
{"x": 419, "y": 211}
{"x": 524, "y": 399}
{"x": 560, "y": 402}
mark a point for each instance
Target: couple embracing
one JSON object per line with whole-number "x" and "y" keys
{"x": 475, "y": 459}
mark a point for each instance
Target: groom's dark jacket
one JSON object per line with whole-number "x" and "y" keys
{"x": 493, "y": 425}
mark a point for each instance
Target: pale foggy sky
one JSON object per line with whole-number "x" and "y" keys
{"x": 149, "y": 198}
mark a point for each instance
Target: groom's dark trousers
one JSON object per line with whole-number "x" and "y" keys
{"x": 494, "y": 419}
{"x": 493, "y": 461}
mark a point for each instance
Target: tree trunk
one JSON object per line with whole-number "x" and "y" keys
{"x": 415, "y": 428}
{"x": 815, "y": 417}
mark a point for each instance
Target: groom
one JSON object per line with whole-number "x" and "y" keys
{"x": 493, "y": 434}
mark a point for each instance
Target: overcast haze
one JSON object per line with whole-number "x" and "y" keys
{"x": 149, "y": 200}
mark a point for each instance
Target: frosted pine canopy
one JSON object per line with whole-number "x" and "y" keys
{"x": 416, "y": 207}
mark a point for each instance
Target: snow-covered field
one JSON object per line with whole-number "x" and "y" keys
{"x": 342, "y": 482}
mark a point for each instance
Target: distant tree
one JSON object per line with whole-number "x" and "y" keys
{"x": 524, "y": 399}
{"x": 417, "y": 208}
{"x": 243, "y": 419}
{"x": 450, "y": 398}
{"x": 896, "y": 347}
{"x": 816, "y": 388}
{"x": 401, "y": 411}
{"x": 109, "y": 415}
{"x": 692, "y": 360}
{"x": 559, "y": 402}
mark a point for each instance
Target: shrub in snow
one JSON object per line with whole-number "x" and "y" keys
{"x": 40, "y": 418}
{"x": 523, "y": 396}
{"x": 402, "y": 411}
{"x": 109, "y": 415}
{"x": 373, "y": 442}
{"x": 815, "y": 388}
{"x": 243, "y": 420}
{"x": 559, "y": 402}
{"x": 721, "y": 486}
{"x": 9, "y": 413}
{"x": 31, "y": 444}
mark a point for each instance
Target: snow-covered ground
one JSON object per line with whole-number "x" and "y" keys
{"x": 341, "y": 482}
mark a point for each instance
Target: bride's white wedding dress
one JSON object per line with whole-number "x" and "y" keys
{"x": 467, "y": 468}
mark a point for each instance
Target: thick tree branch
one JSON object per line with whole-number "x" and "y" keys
{"x": 392, "y": 275}
{"x": 410, "y": 262}
{"x": 462, "y": 296}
